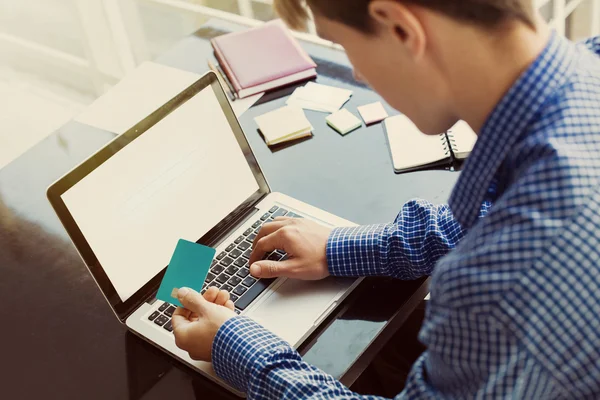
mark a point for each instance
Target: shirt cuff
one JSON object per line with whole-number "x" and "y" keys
{"x": 355, "y": 251}
{"x": 239, "y": 347}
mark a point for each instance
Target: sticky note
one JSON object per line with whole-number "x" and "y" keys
{"x": 372, "y": 113}
{"x": 283, "y": 124}
{"x": 188, "y": 267}
{"x": 343, "y": 121}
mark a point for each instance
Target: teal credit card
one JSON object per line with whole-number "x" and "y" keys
{"x": 188, "y": 267}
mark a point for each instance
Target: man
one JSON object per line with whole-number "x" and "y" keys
{"x": 515, "y": 256}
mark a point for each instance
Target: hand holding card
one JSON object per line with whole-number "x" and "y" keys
{"x": 188, "y": 267}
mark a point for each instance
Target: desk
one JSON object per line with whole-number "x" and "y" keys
{"x": 60, "y": 338}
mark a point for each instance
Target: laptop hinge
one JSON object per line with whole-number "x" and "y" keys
{"x": 237, "y": 219}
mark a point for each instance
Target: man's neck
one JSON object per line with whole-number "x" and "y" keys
{"x": 480, "y": 80}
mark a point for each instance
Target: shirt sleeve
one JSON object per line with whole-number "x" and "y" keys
{"x": 255, "y": 361}
{"x": 407, "y": 248}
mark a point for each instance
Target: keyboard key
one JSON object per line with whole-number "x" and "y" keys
{"x": 240, "y": 290}
{"x": 215, "y": 284}
{"x": 239, "y": 240}
{"x": 273, "y": 209}
{"x": 243, "y": 272}
{"x": 234, "y": 281}
{"x": 209, "y": 277}
{"x": 222, "y": 278}
{"x": 221, "y": 255}
{"x": 168, "y": 326}
{"x": 227, "y": 287}
{"x": 214, "y": 262}
{"x": 161, "y": 320}
{"x": 280, "y": 213}
{"x": 170, "y": 311}
{"x": 230, "y": 247}
{"x": 274, "y": 256}
{"x": 248, "y": 231}
{"x": 257, "y": 224}
{"x": 235, "y": 253}
{"x": 265, "y": 216}
{"x": 244, "y": 246}
{"x": 247, "y": 254}
{"x": 217, "y": 269}
{"x": 163, "y": 307}
{"x": 251, "y": 237}
{"x": 232, "y": 269}
{"x": 249, "y": 281}
{"x": 238, "y": 311}
{"x": 154, "y": 315}
{"x": 226, "y": 262}
{"x": 252, "y": 293}
{"x": 233, "y": 297}
{"x": 240, "y": 262}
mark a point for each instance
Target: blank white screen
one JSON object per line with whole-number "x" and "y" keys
{"x": 176, "y": 180}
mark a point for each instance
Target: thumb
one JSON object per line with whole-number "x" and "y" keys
{"x": 272, "y": 269}
{"x": 191, "y": 300}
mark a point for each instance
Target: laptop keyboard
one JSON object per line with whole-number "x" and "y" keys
{"x": 230, "y": 271}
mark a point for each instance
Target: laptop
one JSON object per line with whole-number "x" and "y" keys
{"x": 187, "y": 171}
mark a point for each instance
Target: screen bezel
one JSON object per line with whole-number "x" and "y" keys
{"x": 57, "y": 189}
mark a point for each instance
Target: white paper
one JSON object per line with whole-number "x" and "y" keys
{"x": 319, "y": 97}
{"x": 240, "y": 106}
{"x": 327, "y": 93}
{"x": 176, "y": 180}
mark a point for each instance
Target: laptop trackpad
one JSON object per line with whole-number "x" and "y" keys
{"x": 296, "y": 306}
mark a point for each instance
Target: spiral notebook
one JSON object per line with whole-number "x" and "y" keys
{"x": 411, "y": 149}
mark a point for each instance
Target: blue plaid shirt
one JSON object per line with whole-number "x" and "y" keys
{"x": 515, "y": 306}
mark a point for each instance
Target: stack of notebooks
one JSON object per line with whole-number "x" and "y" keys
{"x": 411, "y": 149}
{"x": 262, "y": 59}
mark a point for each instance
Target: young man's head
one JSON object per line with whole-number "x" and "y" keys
{"x": 417, "y": 53}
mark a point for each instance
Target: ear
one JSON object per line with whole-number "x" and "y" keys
{"x": 399, "y": 20}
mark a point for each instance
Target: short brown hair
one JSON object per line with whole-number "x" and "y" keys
{"x": 485, "y": 13}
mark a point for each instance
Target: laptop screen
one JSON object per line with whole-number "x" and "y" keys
{"x": 178, "y": 179}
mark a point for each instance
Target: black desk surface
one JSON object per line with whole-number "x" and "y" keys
{"x": 60, "y": 338}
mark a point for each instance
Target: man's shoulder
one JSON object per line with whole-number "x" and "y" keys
{"x": 531, "y": 264}
{"x": 549, "y": 177}
{"x": 564, "y": 137}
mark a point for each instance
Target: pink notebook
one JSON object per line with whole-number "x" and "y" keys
{"x": 263, "y": 58}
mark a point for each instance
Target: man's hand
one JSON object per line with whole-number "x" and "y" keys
{"x": 196, "y": 325}
{"x": 304, "y": 241}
